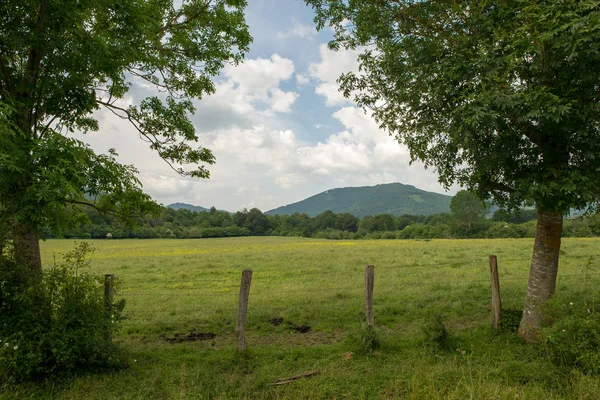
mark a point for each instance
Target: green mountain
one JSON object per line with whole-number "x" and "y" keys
{"x": 391, "y": 198}
{"x": 178, "y": 206}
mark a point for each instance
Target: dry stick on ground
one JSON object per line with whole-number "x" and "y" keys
{"x": 285, "y": 381}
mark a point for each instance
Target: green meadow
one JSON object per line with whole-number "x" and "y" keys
{"x": 306, "y": 313}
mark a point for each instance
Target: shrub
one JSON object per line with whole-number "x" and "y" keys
{"x": 365, "y": 341}
{"x": 56, "y": 322}
{"x": 573, "y": 340}
{"x": 437, "y": 337}
{"x": 504, "y": 230}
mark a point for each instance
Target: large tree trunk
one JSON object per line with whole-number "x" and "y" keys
{"x": 542, "y": 274}
{"x": 27, "y": 246}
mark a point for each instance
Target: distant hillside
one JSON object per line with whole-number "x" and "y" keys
{"x": 178, "y": 206}
{"x": 392, "y": 198}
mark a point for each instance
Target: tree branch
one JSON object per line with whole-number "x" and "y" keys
{"x": 149, "y": 137}
{"x": 104, "y": 213}
{"x": 172, "y": 24}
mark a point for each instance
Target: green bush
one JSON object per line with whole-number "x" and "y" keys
{"x": 365, "y": 341}
{"x": 55, "y": 322}
{"x": 573, "y": 339}
{"x": 437, "y": 337}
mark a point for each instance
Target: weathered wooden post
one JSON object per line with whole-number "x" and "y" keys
{"x": 369, "y": 283}
{"x": 108, "y": 299}
{"x": 496, "y": 303}
{"x": 109, "y": 291}
{"x": 240, "y": 328}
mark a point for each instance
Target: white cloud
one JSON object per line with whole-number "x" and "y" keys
{"x": 328, "y": 70}
{"x": 260, "y": 73}
{"x": 263, "y": 167}
{"x": 298, "y": 30}
{"x": 255, "y": 83}
{"x": 282, "y": 101}
{"x": 259, "y": 165}
{"x": 302, "y": 80}
{"x": 165, "y": 186}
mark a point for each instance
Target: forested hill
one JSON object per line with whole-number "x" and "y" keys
{"x": 179, "y": 206}
{"x": 392, "y": 198}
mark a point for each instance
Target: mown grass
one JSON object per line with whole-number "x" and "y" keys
{"x": 178, "y": 286}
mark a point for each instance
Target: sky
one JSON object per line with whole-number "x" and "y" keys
{"x": 278, "y": 126}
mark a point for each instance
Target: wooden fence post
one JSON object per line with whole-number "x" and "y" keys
{"x": 369, "y": 283}
{"x": 108, "y": 299}
{"x": 496, "y": 303}
{"x": 240, "y": 328}
{"x": 108, "y": 290}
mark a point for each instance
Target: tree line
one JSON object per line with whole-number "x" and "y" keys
{"x": 183, "y": 223}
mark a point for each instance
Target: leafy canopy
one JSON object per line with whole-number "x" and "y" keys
{"x": 467, "y": 207}
{"x": 499, "y": 96}
{"x": 62, "y": 60}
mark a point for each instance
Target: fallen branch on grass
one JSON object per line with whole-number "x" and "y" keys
{"x": 285, "y": 381}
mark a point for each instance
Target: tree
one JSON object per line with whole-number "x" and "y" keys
{"x": 346, "y": 222}
{"x": 326, "y": 219}
{"x": 257, "y": 222}
{"x": 517, "y": 216}
{"x": 499, "y": 97}
{"x": 60, "y": 61}
{"x": 467, "y": 207}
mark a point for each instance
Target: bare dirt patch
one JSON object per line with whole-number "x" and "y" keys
{"x": 276, "y": 321}
{"x": 192, "y": 336}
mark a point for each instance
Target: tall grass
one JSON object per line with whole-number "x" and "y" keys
{"x": 306, "y": 305}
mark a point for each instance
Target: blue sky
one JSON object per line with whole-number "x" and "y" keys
{"x": 278, "y": 126}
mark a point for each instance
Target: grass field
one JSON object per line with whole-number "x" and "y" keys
{"x": 178, "y": 287}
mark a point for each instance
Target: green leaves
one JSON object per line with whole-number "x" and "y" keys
{"x": 61, "y": 61}
{"x": 500, "y": 98}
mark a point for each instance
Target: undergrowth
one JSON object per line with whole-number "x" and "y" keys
{"x": 56, "y": 322}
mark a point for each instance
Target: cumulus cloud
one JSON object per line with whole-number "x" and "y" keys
{"x": 282, "y": 101}
{"x": 258, "y": 163}
{"x": 253, "y": 85}
{"x": 331, "y": 65}
{"x": 298, "y": 30}
{"x": 260, "y": 73}
{"x": 302, "y": 80}
{"x": 159, "y": 184}
{"x": 266, "y": 167}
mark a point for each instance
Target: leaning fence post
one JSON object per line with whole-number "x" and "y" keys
{"x": 496, "y": 303}
{"x": 369, "y": 282}
{"x": 108, "y": 298}
{"x": 240, "y": 328}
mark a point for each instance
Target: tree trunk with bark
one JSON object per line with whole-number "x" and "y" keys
{"x": 542, "y": 274}
{"x": 27, "y": 246}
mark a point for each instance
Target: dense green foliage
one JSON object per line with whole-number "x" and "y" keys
{"x": 177, "y": 206}
{"x": 573, "y": 340}
{"x": 57, "y": 323}
{"x": 392, "y": 198}
{"x": 61, "y": 61}
{"x": 467, "y": 207}
{"x": 501, "y": 98}
{"x": 183, "y": 223}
